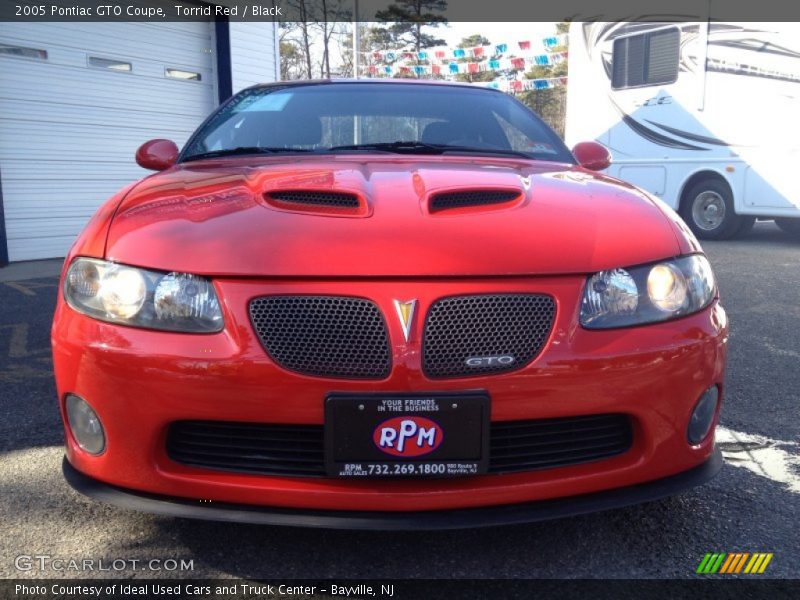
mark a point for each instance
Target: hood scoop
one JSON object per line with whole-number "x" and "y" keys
{"x": 472, "y": 200}
{"x": 329, "y": 203}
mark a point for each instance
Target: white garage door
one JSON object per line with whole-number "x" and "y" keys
{"x": 76, "y": 100}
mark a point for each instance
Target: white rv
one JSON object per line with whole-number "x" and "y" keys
{"x": 704, "y": 116}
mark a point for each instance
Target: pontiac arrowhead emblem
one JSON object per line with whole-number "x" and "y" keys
{"x": 405, "y": 310}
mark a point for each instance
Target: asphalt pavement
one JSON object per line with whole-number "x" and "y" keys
{"x": 752, "y": 506}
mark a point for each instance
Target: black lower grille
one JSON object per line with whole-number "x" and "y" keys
{"x": 297, "y": 450}
{"x": 289, "y": 450}
{"x": 326, "y": 336}
{"x": 489, "y": 333}
{"x": 518, "y": 446}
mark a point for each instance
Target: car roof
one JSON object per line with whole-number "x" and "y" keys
{"x": 387, "y": 80}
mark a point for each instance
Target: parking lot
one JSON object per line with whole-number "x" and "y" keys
{"x": 752, "y": 506}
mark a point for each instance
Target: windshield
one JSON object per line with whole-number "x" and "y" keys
{"x": 369, "y": 117}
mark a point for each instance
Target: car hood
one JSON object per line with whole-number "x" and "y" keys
{"x": 211, "y": 218}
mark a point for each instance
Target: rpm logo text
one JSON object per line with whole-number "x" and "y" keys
{"x": 408, "y": 436}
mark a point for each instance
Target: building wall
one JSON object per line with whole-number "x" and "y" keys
{"x": 254, "y": 53}
{"x": 69, "y": 131}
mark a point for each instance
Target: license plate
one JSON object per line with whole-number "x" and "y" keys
{"x": 407, "y": 435}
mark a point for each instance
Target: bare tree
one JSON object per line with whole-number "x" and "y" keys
{"x": 330, "y": 15}
{"x": 344, "y": 41}
{"x": 302, "y": 33}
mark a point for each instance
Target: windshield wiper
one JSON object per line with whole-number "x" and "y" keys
{"x": 242, "y": 150}
{"x": 426, "y": 148}
{"x": 399, "y": 147}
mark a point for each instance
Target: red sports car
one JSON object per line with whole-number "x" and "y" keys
{"x": 385, "y": 305}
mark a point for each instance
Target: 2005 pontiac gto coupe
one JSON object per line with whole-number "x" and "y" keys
{"x": 385, "y": 305}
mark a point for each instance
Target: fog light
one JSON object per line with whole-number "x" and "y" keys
{"x": 85, "y": 425}
{"x": 703, "y": 416}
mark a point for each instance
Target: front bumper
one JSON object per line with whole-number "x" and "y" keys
{"x": 510, "y": 514}
{"x": 141, "y": 381}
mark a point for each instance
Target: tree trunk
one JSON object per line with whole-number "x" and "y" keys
{"x": 418, "y": 25}
{"x": 306, "y": 38}
{"x": 307, "y": 50}
{"x": 327, "y": 61}
{"x": 326, "y": 40}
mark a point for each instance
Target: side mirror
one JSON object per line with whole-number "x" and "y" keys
{"x": 592, "y": 156}
{"x": 157, "y": 155}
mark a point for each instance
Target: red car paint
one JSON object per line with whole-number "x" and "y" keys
{"x": 218, "y": 205}
{"x": 211, "y": 218}
{"x": 140, "y": 381}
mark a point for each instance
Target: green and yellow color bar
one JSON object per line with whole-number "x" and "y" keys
{"x": 735, "y": 562}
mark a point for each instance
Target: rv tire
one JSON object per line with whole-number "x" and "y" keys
{"x": 707, "y": 208}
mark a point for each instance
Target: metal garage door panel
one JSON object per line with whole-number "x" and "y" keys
{"x": 150, "y": 41}
{"x": 68, "y": 132}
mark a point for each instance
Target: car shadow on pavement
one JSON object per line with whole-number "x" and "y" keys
{"x": 546, "y": 549}
{"x": 631, "y": 542}
{"x": 27, "y": 388}
{"x": 763, "y": 232}
{"x": 40, "y": 513}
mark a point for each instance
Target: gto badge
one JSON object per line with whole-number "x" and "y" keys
{"x": 490, "y": 361}
{"x": 405, "y": 310}
{"x": 408, "y": 436}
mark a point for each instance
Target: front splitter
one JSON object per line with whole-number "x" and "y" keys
{"x": 508, "y": 514}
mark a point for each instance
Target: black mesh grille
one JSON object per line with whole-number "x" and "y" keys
{"x": 463, "y": 199}
{"x": 484, "y": 331}
{"x": 297, "y": 450}
{"x": 327, "y": 336}
{"x": 326, "y": 199}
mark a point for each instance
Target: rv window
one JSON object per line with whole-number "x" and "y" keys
{"x": 646, "y": 59}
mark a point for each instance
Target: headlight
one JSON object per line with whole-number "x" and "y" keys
{"x": 140, "y": 298}
{"x": 647, "y": 294}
